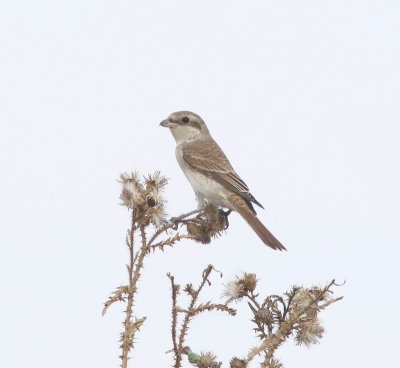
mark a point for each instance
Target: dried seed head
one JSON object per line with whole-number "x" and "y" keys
{"x": 146, "y": 198}
{"x": 157, "y": 215}
{"x": 237, "y": 363}
{"x": 309, "y": 332}
{"x": 215, "y": 218}
{"x": 193, "y": 229}
{"x": 132, "y": 194}
{"x": 211, "y": 223}
{"x": 264, "y": 315}
{"x": 249, "y": 281}
{"x": 151, "y": 202}
{"x": 208, "y": 360}
{"x": 155, "y": 197}
{"x": 304, "y": 299}
{"x": 155, "y": 181}
{"x": 201, "y": 233}
{"x": 234, "y": 290}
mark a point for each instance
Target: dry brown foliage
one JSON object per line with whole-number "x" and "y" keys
{"x": 276, "y": 317}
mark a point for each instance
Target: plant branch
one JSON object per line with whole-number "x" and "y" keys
{"x": 126, "y": 338}
{"x": 286, "y": 327}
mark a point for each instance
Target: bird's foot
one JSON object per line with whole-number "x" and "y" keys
{"x": 225, "y": 215}
{"x": 177, "y": 219}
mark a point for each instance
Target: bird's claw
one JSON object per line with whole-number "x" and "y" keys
{"x": 225, "y": 215}
{"x": 176, "y": 220}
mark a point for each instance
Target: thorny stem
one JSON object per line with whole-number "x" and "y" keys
{"x": 132, "y": 243}
{"x": 174, "y": 314}
{"x": 287, "y": 305}
{"x": 252, "y": 297}
{"x": 256, "y": 309}
{"x": 286, "y": 321}
{"x": 159, "y": 232}
{"x": 134, "y": 267}
{"x": 146, "y": 206}
{"x": 323, "y": 306}
{"x": 171, "y": 241}
{"x": 172, "y": 223}
{"x": 186, "y": 320}
{"x": 126, "y": 338}
{"x": 133, "y": 279}
{"x": 142, "y": 254}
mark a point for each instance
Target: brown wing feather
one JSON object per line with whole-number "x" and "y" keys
{"x": 208, "y": 158}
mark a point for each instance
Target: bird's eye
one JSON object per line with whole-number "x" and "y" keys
{"x": 185, "y": 120}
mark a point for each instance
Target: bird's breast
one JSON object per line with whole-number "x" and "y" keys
{"x": 204, "y": 185}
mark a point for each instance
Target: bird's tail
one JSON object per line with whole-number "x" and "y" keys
{"x": 264, "y": 234}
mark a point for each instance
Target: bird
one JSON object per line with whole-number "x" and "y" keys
{"x": 210, "y": 173}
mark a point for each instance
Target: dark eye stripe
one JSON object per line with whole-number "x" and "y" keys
{"x": 185, "y": 120}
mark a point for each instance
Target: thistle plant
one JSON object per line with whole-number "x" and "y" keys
{"x": 203, "y": 360}
{"x": 147, "y": 233}
{"x": 279, "y": 317}
{"x": 276, "y": 318}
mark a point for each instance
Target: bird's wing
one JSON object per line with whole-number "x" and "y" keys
{"x": 206, "y": 157}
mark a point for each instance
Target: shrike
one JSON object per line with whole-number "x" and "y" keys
{"x": 210, "y": 173}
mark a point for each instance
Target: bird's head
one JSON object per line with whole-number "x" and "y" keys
{"x": 185, "y": 126}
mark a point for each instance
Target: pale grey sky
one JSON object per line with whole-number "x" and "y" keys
{"x": 302, "y": 96}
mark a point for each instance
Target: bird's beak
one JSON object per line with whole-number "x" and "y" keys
{"x": 167, "y": 123}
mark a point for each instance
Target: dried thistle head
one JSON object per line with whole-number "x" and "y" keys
{"x": 215, "y": 217}
{"x": 302, "y": 297}
{"x": 199, "y": 231}
{"x": 210, "y": 223}
{"x": 145, "y": 198}
{"x": 249, "y": 281}
{"x": 309, "y": 332}
{"x": 154, "y": 185}
{"x": 305, "y": 299}
{"x": 156, "y": 181}
{"x": 132, "y": 194}
{"x": 157, "y": 215}
{"x": 237, "y": 363}
{"x": 208, "y": 360}
{"x": 265, "y": 316}
{"x": 234, "y": 290}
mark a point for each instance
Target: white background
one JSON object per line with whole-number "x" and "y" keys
{"x": 302, "y": 96}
